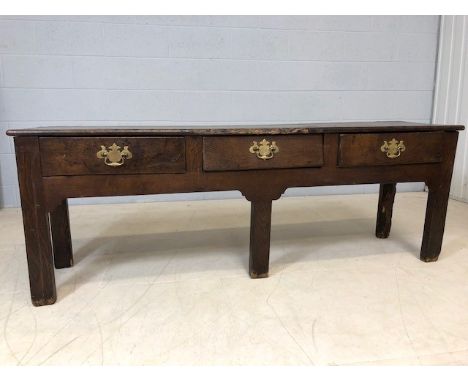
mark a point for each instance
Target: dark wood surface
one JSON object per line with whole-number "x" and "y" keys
{"x": 77, "y": 156}
{"x": 364, "y": 149}
{"x": 385, "y": 210}
{"x": 232, "y": 153}
{"x": 35, "y": 222}
{"x": 61, "y": 236}
{"x": 245, "y": 129}
{"x": 55, "y": 164}
{"x": 437, "y": 201}
{"x": 260, "y": 227}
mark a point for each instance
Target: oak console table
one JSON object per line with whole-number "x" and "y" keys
{"x": 260, "y": 161}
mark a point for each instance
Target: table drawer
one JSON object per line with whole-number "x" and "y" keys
{"x": 112, "y": 155}
{"x": 389, "y": 149}
{"x": 262, "y": 152}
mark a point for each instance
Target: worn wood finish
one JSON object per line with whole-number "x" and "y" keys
{"x": 61, "y": 237}
{"x": 77, "y": 156}
{"x": 232, "y": 153}
{"x": 385, "y": 210}
{"x": 275, "y": 129}
{"x": 206, "y": 159}
{"x": 365, "y": 149}
{"x": 35, "y": 222}
{"x": 437, "y": 201}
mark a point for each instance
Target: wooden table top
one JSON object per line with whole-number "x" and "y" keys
{"x": 247, "y": 129}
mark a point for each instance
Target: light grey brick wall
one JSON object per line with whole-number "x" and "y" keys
{"x": 87, "y": 70}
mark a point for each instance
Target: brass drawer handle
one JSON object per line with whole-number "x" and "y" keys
{"x": 264, "y": 150}
{"x": 393, "y": 149}
{"x": 113, "y": 156}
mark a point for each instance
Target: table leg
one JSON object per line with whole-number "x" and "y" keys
{"x": 35, "y": 222}
{"x": 437, "y": 201}
{"x": 385, "y": 210}
{"x": 260, "y": 226}
{"x": 61, "y": 238}
{"x": 434, "y": 225}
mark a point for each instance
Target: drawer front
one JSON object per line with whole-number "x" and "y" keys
{"x": 262, "y": 152}
{"x": 112, "y": 155}
{"x": 389, "y": 149}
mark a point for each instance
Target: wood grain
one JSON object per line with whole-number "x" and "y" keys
{"x": 77, "y": 156}
{"x": 35, "y": 222}
{"x": 232, "y": 153}
{"x": 437, "y": 202}
{"x": 245, "y": 129}
{"x": 365, "y": 149}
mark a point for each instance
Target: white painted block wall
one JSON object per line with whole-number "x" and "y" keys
{"x": 159, "y": 70}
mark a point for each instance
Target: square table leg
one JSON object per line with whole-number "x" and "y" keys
{"x": 35, "y": 222}
{"x": 61, "y": 238}
{"x": 260, "y": 227}
{"x": 385, "y": 210}
{"x": 436, "y": 210}
{"x": 437, "y": 201}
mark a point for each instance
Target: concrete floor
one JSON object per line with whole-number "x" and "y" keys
{"x": 167, "y": 283}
